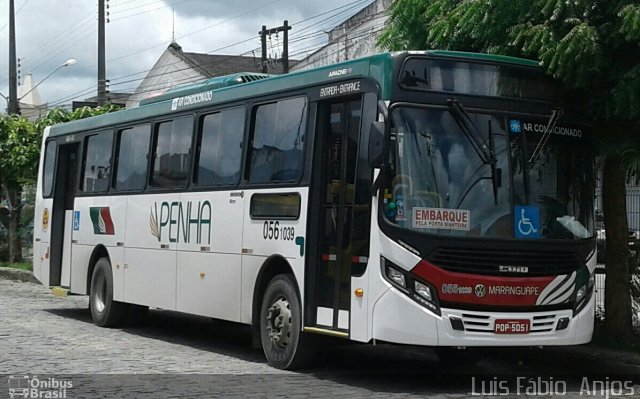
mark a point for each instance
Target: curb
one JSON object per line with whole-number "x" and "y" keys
{"x": 9, "y": 273}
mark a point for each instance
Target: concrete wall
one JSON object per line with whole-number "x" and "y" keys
{"x": 354, "y": 38}
{"x": 168, "y": 72}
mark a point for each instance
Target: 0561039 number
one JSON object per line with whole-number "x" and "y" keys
{"x": 273, "y": 231}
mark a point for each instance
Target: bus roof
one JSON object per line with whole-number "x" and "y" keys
{"x": 494, "y": 58}
{"x": 240, "y": 86}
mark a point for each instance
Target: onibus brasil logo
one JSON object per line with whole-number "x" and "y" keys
{"x": 23, "y": 386}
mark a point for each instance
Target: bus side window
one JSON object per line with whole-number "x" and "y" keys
{"x": 97, "y": 163}
{"x": 131, "y": 158}
{"x": 171, "y": 158}
{"x": 219, "y": 155}
{"x": 49, "y": 164}
{"x": 278, "y": 141}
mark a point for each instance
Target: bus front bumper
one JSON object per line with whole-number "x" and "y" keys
{"x": 398, "y": 319}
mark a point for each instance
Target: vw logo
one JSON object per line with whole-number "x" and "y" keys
{"x": 480, "y": 290}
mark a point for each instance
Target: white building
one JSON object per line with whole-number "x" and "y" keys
{"x": 176, "y": 67}
{"x": 356, "y": 37}
{"x": 31, "y": 105}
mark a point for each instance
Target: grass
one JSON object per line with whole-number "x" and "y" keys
{"x": 19, "y": 265}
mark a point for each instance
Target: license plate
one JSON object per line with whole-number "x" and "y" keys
{"x": 510, "y": 326}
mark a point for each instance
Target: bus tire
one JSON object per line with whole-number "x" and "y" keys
{"x": 283, "y": 343}
{"x": 104, "y": 310}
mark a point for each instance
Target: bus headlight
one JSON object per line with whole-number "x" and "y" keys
{"x": 418, "y": 290}
{"x": 423, "y": 291}
{"x": 396, "y": 276}
{"x": 425, "y": 294}
{"x": 584, "y": 294}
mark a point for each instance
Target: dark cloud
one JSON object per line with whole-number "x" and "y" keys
{"x": 51, "y": 31}
{"x": 267, "y": 9}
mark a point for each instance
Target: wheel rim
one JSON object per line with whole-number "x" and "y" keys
{"x": 101, "y": 294}
{"x": 279, "y": 322}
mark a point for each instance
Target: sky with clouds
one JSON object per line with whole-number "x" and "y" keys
{"x": 49, "y": 32}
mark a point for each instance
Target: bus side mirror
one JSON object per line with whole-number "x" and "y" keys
{"x": 376, "y": 137}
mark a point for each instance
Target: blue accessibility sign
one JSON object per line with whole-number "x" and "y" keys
{"x": 526, "y": 222}
{"x": 76, "y": 220}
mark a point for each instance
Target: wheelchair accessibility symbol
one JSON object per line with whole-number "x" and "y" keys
{"x": 527, "y": 222}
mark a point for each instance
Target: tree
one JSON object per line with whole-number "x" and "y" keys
{"x": 593, "y": 47}
{"x": 20, "y": 142}
{"x": 19, "y": 151}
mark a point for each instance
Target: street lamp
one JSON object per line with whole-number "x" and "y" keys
{"x": 68, "y": 62}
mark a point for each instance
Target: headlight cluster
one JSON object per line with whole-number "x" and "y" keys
{"x": 418, "y": 290}
{"x": 583, "y": 294}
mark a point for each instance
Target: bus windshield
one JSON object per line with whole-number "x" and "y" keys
{"x": 438, "y": 182}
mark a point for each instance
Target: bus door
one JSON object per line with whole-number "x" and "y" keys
{"x": 342, "y": 199}
{"x": 61, "y": 225}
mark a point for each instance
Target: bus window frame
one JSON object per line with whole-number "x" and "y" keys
{"x": 483, "y": 97}
{"x": 115, "y": 159}
{"x": 55, "y": 165}
{"x": 197, "y": 139}
{"x": 256, "y": 196}
{"x": 250, "y": 134}
{"x": 84, "y": 140}
{"x": 151, "y": 153}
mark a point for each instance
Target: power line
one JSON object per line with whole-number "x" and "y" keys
{"x": 152, "y": 88}
{"x": 63, "y": 34}
{"x": 148, "y": 11}
{"x": 16, "y": 14}
{"x": 309, "y": 36}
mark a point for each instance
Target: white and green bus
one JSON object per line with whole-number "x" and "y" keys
{"x": 427, "y": 198}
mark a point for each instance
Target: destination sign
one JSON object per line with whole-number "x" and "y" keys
{"x": 340, "y": 89}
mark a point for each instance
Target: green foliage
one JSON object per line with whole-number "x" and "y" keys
{"x": 19, "y": 149}
{"x": 593, "y": 46}
{"x": 61, "y": 115}
{"x": 20, "y": 143}
{"x": 630, "y": 25}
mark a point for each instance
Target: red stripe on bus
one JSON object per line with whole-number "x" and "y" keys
{"x": 482, "y": 290}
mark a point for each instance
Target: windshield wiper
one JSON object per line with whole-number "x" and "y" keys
{"x": 471, "y": 132}
{"x": 556, "y": 114}
{"x": 484, "y": 149}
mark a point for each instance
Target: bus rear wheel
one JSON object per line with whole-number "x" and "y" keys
{"x": 284, "y": 344}
{"x": 104, "y": 310}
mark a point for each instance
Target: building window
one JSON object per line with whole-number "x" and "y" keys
{"x": 171, "y": 158}
{"x": 219, "y": 155}
{"x": 278, "y": 141}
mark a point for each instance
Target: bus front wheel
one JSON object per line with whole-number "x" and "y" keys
{"x": 284, "y": 344}
{"x": 104, "y": 310}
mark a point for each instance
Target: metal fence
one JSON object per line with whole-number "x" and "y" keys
{"x": 633, "y": 207}
{"x": 633, "y": 219}
{"x": 601, "y": 277}
{"x": 599, "y": 292}
{"x": 633, "y": 204}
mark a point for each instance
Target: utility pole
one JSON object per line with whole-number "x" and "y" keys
{"x": 14, "y": 106}
{"x": 285, "y": 47}
{"x": 102, "y": 79}
{"x": 263, "y": 42}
